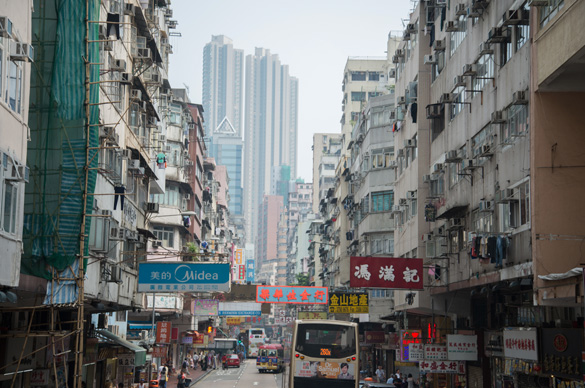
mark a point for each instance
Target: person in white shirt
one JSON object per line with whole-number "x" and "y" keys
{"x": 380, "y": 374}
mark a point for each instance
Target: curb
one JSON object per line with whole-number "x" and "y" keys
{"x": 193, "y": 382}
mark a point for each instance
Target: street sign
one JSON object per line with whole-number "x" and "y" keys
{"x": 186, "y": 277}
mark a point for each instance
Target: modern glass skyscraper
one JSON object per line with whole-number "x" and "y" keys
{"x": 223, "y": 70}
{"x": 271, "y": 122}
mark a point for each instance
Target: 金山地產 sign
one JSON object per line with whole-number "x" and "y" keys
{"x": 292, "y": 294}
{"x": 386, "y": 272}
{"x": 183, "y": 277}
{"x": 345, "y": 302}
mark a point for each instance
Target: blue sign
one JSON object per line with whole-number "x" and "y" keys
{"x": 250, "y": 270}
{"x": 234, "y": 313}
{"x": 183, "y": 277}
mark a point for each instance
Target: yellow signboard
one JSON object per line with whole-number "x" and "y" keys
{"x": 312, "y": 315}
{"x": 345, "y": 302}
{"x": 234, "y": 320}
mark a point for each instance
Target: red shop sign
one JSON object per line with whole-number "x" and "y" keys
{"x": 386, "y": 272}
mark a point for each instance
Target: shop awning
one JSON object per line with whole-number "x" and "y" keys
{"x": 139, "y": 352}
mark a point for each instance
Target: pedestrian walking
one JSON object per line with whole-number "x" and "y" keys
{"x": 163, "y": 376}
{"x": 380, "y": 374}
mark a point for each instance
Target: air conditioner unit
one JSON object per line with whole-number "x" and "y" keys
{"x": 168, "y": 13}
{"x": 396, "y": 209}
{"x": 439, "y": 232}
{"x": 162, "y": 137}
{"x": 430, "y": 59}
{"x": 440, "y": 3}
{"x": 411, "y": 28}
{"x": 106, "y": 213}
{"x": 399, "y": 53}
{"x": 486, "y": 150}
{"x": 459, "y": 80}
{"x": 427, "y": 237}
{"x": 133, "y": 164}
{"x": 108, "y": 132}
{"x": 455, "y": 223}
{"x": 410, "y": 143}
{"x": 393, "y": 115}
{"x": 401, "y": 100}
{"x": 143, "y": 53}
{"x": 395, "y": 59}
{"x": 116, "y": 234}
{"x": 469, "y": 164}
{"x": 406, "y": 35}
{"x": 126, "y": 153}
{"x": 411, "y": 194}
{"x": 433, "y": 111}
{"x": 470, "y": 69}
{"x": 126, "y": 78}
{"x": 452, "y": 157}
{"x": 452, "y": 26}
{"x": 485, "y": 48}
{"x": 446, "y": 98}
{"x": 156, "y": 244}
{"x": 486, "y": 206}
{"x": 102, "y": 32}
{"x": 119, "y": 65}
{"x": 439, "y": 45}
{"x": 129, "y": 9}
{"x": 460, "y": 10}
{"x": 400, "y": 153}
{"x": 499, "y": 35}
{"x": 392, "y": 73}
{"x": 136, "y": 94}
{"x": 21, "y": 52}
{"x": 392, "y": 164}
{"x": 168, "y": 148}
{"x": 152, "y": 207}
{"x": 402, "y": 201}
{"x": 520, "y": 98}
{"x": 538, "y": 3}
{"x": 499, "y": 116}
{"x": 437, "y": 168}
{"x": 5, "y": 27}
{"x": 426, "y": 178}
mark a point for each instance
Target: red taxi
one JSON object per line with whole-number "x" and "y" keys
{"x": 233, "y": 360}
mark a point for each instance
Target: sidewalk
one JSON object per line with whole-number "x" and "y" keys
{"x": 195, "y": 376}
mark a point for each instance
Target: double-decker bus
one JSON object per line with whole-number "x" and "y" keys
{"x": 256, "y": 338}
{"x": 324, "y": 354}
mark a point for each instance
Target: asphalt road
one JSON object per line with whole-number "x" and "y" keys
{"x": 247, "y": 376}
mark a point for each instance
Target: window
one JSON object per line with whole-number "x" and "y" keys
{"x": 438, "y": 123}
{"x": 437, "y": 187}
{"x": 380, "y": 294}
{"x": 355, "y": 116}
{"x": 166, "y": 235}
{"x": 9, "y": 206}
{"x": 171, "y": 197}
{"x": 175, "y": 114}
{"x": 549, "y": 12}
{"x": 374, "y": 94}
{"x": 456, "y": 169}
{"x": 485, "y": 73}
{"x": 483, "y": 137}
{"x": 516, "y": 213}
{"x": 358, "y": 75}
{"x": 14, "y": 87}
{"x": 522, "y": 31}
{"x": 373, "y": 76}
{"x": 505, "y": 53}
{"x": 1, "y": 66}
{"x": 483, "y": 222}
{"x": 458, "y": 103}
{"x": 438, "y": 67}
{"x": 358, "y": 96}
{"x": 382, "y": 201}
{"x": 366, "y": 204}
{"x": 517, "y": 123}
{"x": 458, "y": 36}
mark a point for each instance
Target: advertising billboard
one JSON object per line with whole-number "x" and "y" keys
{"x": 183, "y": 277}
{"x": 386, "y": 272}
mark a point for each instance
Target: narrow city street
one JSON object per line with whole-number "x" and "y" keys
{"x": 247, "y": 376}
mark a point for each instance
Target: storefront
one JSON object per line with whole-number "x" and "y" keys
{"x": 123, "y": 360}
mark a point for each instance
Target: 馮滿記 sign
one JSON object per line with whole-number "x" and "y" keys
{"x": 183, "y": 277}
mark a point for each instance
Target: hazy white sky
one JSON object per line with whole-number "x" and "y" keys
{"x": 313, "y": 37}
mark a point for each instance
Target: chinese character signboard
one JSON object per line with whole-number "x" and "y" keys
{"x": 562, "y": 352}
{"x": 453, "y": 367}
{"x": 291, "y": 294}
{"x": 173, "y": 277}
{"x": 233, "y": 321}
{"x": 39, "y": 377}
{"x": 386, "y": 272}
{"x": 408, "y": 337}
{"x": 250, "y": 270}
{"x": 163, "y": 332}
{"x": 159, "y": 351}
{"x": 239, "y": 309}
{"x": 344, "y": 302}
{"x": 416, "y": 352}
{"x": 521, "y": 344}
{"x": 312, "y": 315}
{"x": 434, "y": 352}
{"x": 374, "y": 337}
{"x": 462, "y": 347}
{"x": 239, "y": 256}
{"x": 205, "y": 307}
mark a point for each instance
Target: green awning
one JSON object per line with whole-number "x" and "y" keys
{"x": 139, "y": 352}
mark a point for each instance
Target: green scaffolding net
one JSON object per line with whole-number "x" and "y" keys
{"x": 58, "y": 151}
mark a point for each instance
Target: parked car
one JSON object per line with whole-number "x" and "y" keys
{"x": 373, "y": 384}
{"x": 233, "y": 360}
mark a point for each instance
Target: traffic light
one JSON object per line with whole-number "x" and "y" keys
{"x": 209, "y": 329}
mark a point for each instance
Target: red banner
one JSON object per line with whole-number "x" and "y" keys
{"x": 386, "y": 272}
{"x": 159, "y": 352}
{"x": 163, "y": 332}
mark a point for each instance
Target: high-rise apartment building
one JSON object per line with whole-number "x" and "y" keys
{"x": 223, "y": 68}
{"x": 267, "y": 237}
{"x": 271, "y": 128}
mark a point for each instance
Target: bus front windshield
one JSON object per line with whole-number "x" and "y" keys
{"x": 326, "y": 341}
